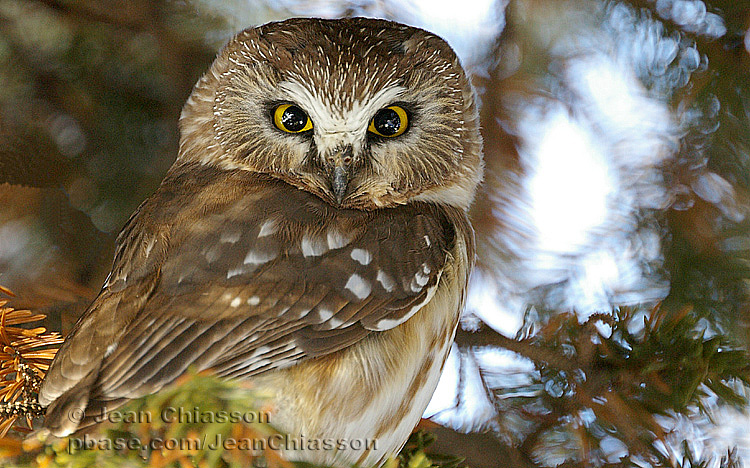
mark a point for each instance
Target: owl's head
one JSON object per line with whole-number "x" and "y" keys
{"x": 363, "y": 113}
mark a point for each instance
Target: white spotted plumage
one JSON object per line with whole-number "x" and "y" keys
{"x": 327, "y": 266}
{"x": 358, "y": 286}
{"x": 361, "y": 256}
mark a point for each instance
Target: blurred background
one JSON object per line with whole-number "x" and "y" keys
{"x": 608, "y": 320}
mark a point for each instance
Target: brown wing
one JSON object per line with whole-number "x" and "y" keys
{"x": 241, "y": 274}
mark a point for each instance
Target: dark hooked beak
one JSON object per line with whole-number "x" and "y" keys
{"x": 337, "y": 165}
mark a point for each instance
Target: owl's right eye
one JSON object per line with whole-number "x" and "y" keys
{"x": 291, "y": 119}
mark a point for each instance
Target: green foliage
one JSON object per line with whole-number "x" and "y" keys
{"x": 176, "y": 427}
{"x": 185, "y": 421}
{"x": 602, "y": 388}
{"x": 413, "y": 454}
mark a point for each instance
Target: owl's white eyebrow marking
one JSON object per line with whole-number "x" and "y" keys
{"x": 257, "y": 257}
{"x": 362, "y": 256}
{"x": 253, "y": 301}
{"x": 385, "y": 280}
{"x": 312, "y": 247}
{"x": 358, "y": 286}
{"x": 236, "y": 302}
{"x": 337, "y": 120}
{"x": 336, "y": 239}
{"x": 270, "y": 226}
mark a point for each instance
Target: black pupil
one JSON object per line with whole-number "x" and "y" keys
{"x": 294, "y": 119}
{"x": 387, "y": 122}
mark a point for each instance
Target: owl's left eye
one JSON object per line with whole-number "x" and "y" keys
{"x": 389, "y": 122}
{"x": 291, "y": 119}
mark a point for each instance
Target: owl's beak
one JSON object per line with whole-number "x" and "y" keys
{"x": 337, "y": 165}
{"x": 339, "y": 182}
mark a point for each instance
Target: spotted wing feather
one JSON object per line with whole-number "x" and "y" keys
{"x": 242, "y": 274}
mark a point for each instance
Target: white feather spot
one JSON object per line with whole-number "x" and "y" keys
{"x": 418, "y": 282}
{"x": 385, "y": 280}
{"x": 213, "y": 253}
{"x": 313, "y": 247}
{"x": 257, "y": 365}
{"x": 106, "y": 281}
{"x": 427, "y": 241}
{"x": 387, "y": 324}
{"x": 421, "y": 279}
{"x": 236, "y": 302}
{"x": 336, "y": 239}
{"x": 362, "y": 256}
{"x": 150, "y": 246}
{"x": 110, "y": 349}
{"x": 230, "y": 237}
{"x": 324, "y": 314}
{"x": 261, "y": 350}
{"x": 334, "y": 323}
{"x": 258, "y": 257}
{"x": 253, "y": 301}
{"x": 270, "y": 226}
{"x": 235, "y": 272}
{"x": 358, "y": 286}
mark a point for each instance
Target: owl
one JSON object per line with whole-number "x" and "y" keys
{"x": 311, "y": 237}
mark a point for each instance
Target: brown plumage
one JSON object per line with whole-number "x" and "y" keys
{"x": 328, "y": 264}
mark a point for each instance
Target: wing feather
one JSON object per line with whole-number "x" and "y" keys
{"x": 229, "y": 292}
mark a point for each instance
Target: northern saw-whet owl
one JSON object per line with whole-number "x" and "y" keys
{"x": 311, "y": 236}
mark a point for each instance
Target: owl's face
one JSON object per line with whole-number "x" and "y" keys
{"x": 363, "y": 113}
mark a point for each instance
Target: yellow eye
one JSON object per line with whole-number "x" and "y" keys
{"x": 389, "y": 122}
{"x": 291, "y": 119}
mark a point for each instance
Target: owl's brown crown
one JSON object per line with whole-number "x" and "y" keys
{"x": 340, "y": 74}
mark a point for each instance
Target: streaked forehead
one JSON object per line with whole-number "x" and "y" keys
{"x": 343, "y": 61}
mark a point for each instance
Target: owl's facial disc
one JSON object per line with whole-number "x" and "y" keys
{"x": 340, "y": 132}
{"x": 389, "y": 122}
{"x": 363, "y": 113}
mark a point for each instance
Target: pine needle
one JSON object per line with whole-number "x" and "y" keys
{"x": 25, "y": 356}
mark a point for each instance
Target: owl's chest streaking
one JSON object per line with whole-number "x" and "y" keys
{"x": 366, "y": 399}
